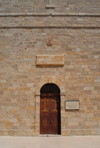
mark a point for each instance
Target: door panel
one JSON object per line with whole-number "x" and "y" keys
{"x": 44, "y": 116}
{"x": 54, "y": 112}
{"x": 50, "y": 114}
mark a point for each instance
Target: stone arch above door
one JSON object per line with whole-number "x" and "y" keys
{"x": 50, "y": 79}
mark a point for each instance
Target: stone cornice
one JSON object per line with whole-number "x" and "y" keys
{"x": 50, "y": 14}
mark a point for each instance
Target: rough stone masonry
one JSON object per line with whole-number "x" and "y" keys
{"x": 27, "y": 62}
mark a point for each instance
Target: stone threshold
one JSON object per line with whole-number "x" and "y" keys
{"x": 49, "y": 135}
{"x": 50, "y": 27}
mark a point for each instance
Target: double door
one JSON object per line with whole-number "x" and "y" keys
{"x": 50, "y": 114}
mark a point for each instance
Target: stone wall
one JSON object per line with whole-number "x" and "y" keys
{"x": 69, "y": 6}
{"x": 23, "y": 37}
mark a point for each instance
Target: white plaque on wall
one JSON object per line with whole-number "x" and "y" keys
{"x": 71, "y": 104}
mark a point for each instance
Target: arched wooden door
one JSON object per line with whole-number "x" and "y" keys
{"x": 50, "y": 109}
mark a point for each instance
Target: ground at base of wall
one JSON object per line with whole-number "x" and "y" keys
{"x": 56, "y": 142}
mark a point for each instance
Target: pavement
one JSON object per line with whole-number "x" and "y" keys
{"x": 50, "y": 142}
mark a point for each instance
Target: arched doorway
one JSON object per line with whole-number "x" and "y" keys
{"x": 50, "y": 120}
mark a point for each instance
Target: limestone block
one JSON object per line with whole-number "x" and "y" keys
{"x": 77, "y": 132}
{"x": 87, "y": 132}
{"x": 94, "y": 131}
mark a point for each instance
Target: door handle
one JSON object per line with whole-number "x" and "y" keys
{"x": 50, "y": 120}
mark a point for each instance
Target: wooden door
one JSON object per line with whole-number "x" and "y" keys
{"x": 50, "y": 114}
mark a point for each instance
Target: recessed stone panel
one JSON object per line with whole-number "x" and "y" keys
{"x": 50, "y": 6}
{"x": 50, "y": 60}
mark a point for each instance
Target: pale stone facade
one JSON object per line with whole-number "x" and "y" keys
{"x": 27, "y": 62}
